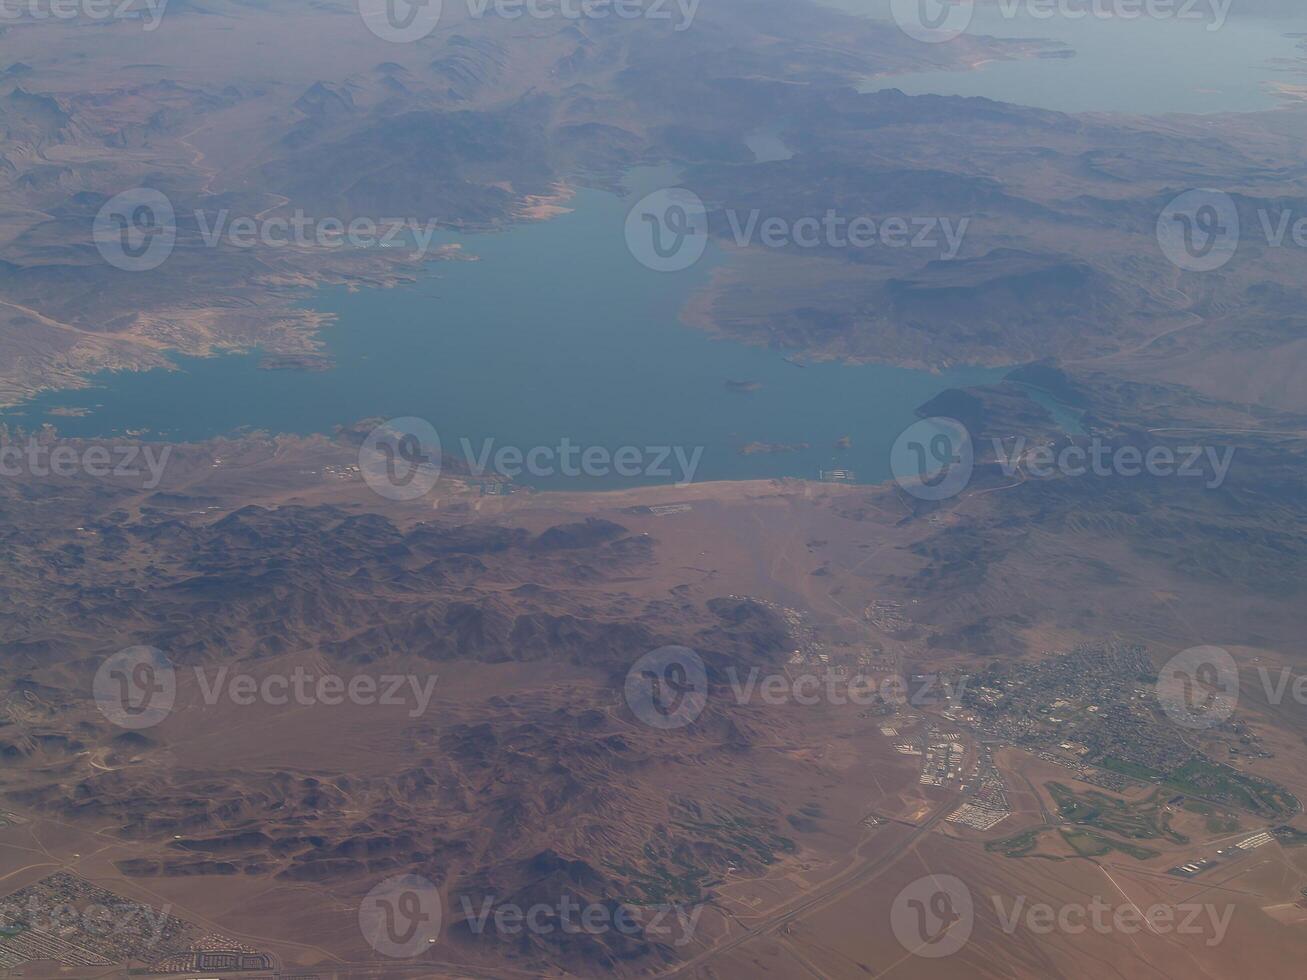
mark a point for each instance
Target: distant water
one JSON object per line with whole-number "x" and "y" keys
{"x": 767, "y": 146}
{"x": 1065, "y": 417}
{"x": 556, "y": 332}
{"x": 1137, "y": 66}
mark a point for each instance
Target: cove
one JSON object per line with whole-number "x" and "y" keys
{"x": 1140, "y": 65}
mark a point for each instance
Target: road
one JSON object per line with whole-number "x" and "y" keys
{"x": 824, "y": 894}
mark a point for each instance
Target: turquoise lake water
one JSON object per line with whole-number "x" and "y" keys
{"x": 1148, "y": 66}
{"x": 556, "y": 332}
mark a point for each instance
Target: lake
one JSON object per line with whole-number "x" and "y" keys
{"x": 1148, "y": 66}
{"x": 556, "y": 332}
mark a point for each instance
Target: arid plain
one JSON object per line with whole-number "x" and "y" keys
{"x": 783, "y": 832}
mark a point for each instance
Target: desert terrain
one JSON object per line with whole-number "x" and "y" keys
{"x": 1012, "y": 637}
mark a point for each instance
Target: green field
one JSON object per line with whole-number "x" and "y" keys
{"x": 1130, "y": 769}
{"x": 1205, "y": 778}
{"x": 1145, "y": 820}
{"x": 1088, "y": 844}
{"x": 1218, "y": 822}
{"x": 1202, "y": 777}
{"x": 1290, "y": 836}
{"x": 1085, "y": 843}
{"x": 1018, "y": 845}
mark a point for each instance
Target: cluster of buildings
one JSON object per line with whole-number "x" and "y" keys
{"x": 1114, "y": 781}
{"x": 1195, "y": 868}
{"x": 837, "y": 476}
{"x": 943, "y": 759}
{"x": 988, "y": 805}
{"x": 1257, "y": 840}
{"x": 667, "y": 510}
{"x": 70, "y": 920}
{"x": 1091, "y": 703}
{"x": 334, "y": 470}
{"x": 887, "y": 615}
{"x": 807, "y": 649}
{"x": 222, "y": 956}
{"x": 977, "y": 816}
